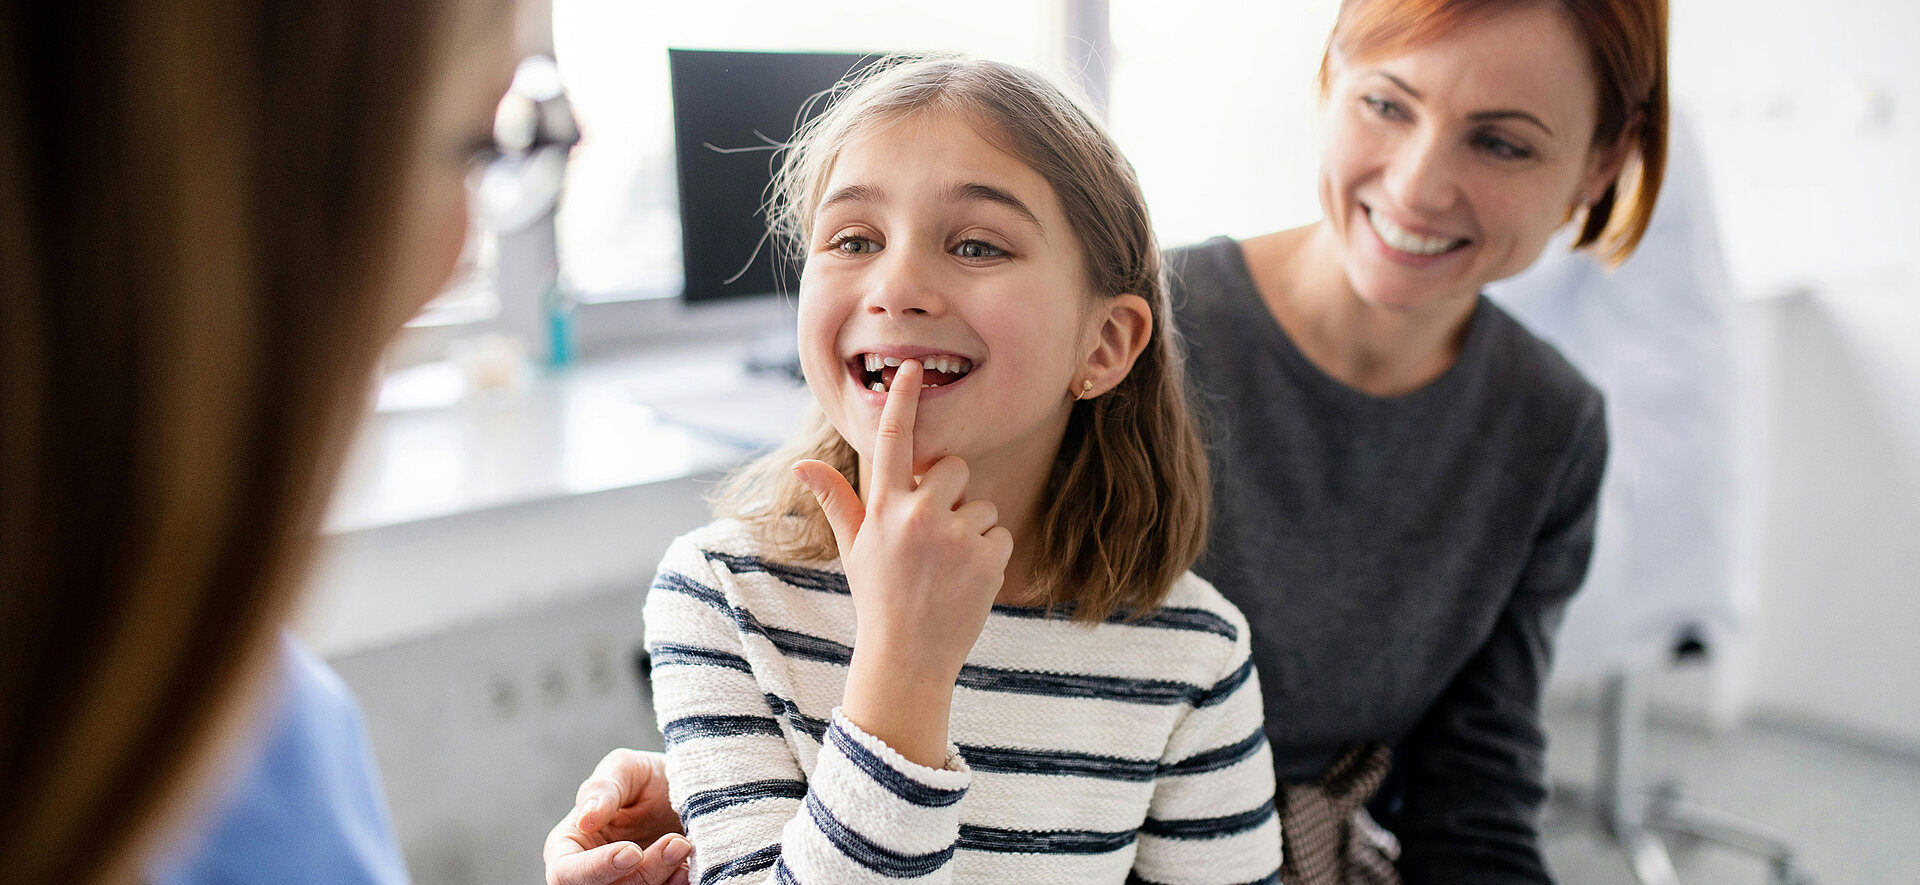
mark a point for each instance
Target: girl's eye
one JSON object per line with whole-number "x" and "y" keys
{"x": 978, "y": 249}
{"x": 1500, "y": 147}
{"x": 1384, "y": 108}
{"x": 855, "y": 245}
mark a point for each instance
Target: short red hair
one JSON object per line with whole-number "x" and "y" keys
{"x": 1628, "y": 43}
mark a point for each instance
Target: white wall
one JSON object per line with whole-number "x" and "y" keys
{"x": 1834, "y": 645}
{"x": 1809, "y": 116}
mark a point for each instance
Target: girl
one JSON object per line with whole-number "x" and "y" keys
{"x": 988, "y": 664}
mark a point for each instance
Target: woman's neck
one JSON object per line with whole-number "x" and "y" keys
{"x": 1376, "y": 350}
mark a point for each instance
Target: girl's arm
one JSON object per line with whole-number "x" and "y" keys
{"x": 924, "y": 564}
{"x": 1212, "y": 815}
{"x": 866, "y": 815}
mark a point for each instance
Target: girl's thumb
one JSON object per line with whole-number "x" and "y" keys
{"x": 837, "y": 499}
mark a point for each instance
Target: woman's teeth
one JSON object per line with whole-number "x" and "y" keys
{"x": 1402, "y": 240}
{"x": 880, "y": 370}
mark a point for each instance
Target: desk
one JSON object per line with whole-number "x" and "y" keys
{"x": 458, "y": 508}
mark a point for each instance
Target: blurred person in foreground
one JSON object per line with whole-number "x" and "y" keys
{"x": 213, "y": 217}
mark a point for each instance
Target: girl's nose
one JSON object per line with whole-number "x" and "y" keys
{"x": 1421, "y": 177}
{"x": 903, "y": 285}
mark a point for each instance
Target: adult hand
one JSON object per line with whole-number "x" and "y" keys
{"x": 924, "y": 564}
{"x": 621, "y": 806}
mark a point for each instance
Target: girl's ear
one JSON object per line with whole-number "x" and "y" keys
{"x": 1121, "y": 327}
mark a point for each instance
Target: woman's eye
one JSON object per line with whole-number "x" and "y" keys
{"x": 855, "y": 245}
{"x": 1502, "y": 148}
{"x": 977, "y": 249}
{"x": 1383, "y": 107}
{"x": 480, "y": 152}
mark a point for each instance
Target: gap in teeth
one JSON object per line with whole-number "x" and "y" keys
{"x": 952, "y": 365}
{"x": 881, "y": 386}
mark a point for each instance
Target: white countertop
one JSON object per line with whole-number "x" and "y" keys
{"x": 433, "y": 448}
{"x": 457, "y": 509}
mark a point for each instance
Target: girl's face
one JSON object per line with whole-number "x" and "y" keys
{"x": 1450, "y": 166}
{"x": 931, "y": 243}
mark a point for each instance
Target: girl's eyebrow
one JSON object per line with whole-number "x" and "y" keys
{"x": 962, "y": 192}
{"x": 974, "y": 192}
{"x": 853, "y": 193}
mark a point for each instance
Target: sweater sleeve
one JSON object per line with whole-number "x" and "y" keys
{"x": 1473, "y": 767}
{"x": 1212, "y": 818}
{"x": 866, "y": 815}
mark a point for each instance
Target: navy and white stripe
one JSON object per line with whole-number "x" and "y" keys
{"x": 1130, "y": 750}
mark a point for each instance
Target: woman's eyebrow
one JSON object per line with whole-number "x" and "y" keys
{"x": 1523, "y": 116}
{"x": 974, "y": 192}
{"x": 1476, "y": 116}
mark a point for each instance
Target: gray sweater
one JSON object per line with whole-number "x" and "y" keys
{"x": 1403, "y": 561}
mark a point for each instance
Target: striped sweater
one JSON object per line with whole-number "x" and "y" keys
{"x": 1127, "y": 751}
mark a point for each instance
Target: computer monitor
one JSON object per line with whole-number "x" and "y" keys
{"x": 731, "y": 110}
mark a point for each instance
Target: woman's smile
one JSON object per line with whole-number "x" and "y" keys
{"x": 1405, "y": 241}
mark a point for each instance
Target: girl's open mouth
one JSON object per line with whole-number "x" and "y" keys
{"x": 876, "y": 372}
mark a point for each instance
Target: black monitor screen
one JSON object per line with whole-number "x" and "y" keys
{"x": 729, "y": 108}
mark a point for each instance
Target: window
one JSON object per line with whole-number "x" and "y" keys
{"x": 1214, "y": 102}
{"x": 618, "y": 227}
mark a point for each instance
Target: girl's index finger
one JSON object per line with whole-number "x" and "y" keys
{"x": 893, "y": 440}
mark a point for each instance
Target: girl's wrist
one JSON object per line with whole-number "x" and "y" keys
{"x": 905, "y": 660}
{"x": 908, "y": 712}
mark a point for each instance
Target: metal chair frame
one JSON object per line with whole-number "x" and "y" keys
{"x": 1636, "y": 816}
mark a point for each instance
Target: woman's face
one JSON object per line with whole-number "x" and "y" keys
{"x": 456, "y": 126}
{"x": 1450, "y": 166}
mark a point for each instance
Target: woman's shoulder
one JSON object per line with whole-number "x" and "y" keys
{"x": 1207, "y": 268}
{"x": 1213, "y": 248}
{"x": 1531, "y": 369}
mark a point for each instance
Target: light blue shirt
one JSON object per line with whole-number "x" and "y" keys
{"x": 309, "y": 808}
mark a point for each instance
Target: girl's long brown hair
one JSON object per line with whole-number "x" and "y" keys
{"x": 196, "y": 202}
{"x": 1126, "y": 505}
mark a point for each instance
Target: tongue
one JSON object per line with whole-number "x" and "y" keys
{"x": 928, "y": 376}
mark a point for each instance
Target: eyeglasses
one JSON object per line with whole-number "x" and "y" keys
{"x": 533, "y": 132}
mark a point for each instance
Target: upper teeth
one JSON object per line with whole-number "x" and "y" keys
{"x": 948, "y": 364}
{"x": 1402, "y": 239}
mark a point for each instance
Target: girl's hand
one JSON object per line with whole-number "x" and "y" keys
{"x": 924, "y": 564}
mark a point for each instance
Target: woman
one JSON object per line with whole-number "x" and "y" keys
{"x": 1406, "y": 480}
{"x": 213, "y": 215}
